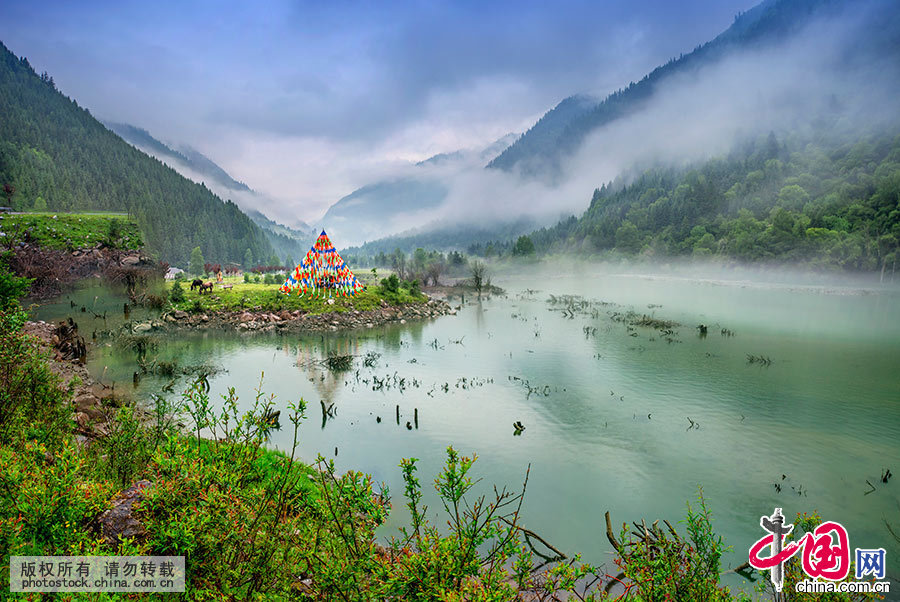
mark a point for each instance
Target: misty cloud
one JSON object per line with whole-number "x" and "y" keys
{"x": 308, "y": 101}
{"x": 701, "y": 114}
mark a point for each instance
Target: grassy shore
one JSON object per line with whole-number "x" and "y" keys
{"x": 266, "y": 297}
{"x": 70, "y": 231}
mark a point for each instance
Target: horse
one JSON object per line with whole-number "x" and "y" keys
{"x": 207, "y": 286}
{"x": 197, "y": 283}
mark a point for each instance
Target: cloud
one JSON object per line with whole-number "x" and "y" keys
{"x": 307, "y": 100}
{"x": 785, "y": 88}
{"x": 823, "y": 70}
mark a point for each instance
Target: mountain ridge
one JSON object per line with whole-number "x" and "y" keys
{"x": 288, "y": 242}
{"x": 54, "y": 154}
{"x": 383, "y": 207}
{"x": 540, "y": 150}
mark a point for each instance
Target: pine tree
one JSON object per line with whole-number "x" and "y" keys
{"x": 197, "y": 261}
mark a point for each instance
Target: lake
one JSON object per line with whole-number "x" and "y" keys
{"x": 617, "y": 417}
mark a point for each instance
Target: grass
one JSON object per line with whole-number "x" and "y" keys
{"x": 70, "y": 231}
{"x": 267, "y": 297}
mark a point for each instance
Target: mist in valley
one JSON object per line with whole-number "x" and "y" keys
{"x": 820, "y": 84}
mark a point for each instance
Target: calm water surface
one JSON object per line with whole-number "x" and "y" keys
{"x": 605, "y": 408}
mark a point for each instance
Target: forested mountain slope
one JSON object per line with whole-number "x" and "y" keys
{"x": 288, "y": 242}
{"x": 543, "y": 150}
{"x": 822, "y": 202}
{"x": 54, "y": 155}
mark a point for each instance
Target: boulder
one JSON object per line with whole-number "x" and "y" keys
{"x": 85, "y": 400}
{"x": 101, "y": 392}
{"x": 120, "y": 522}
{"x": 82, "y": 420}
{"x": 180, "y": 315}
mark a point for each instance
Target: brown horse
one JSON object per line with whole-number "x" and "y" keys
{"x": 197, "y": 283}
{"x": 208, "y": 286}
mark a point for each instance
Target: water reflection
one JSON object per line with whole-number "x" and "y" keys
{"x": 620, "y": 413}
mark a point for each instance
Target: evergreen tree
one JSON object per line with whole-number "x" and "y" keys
{"x": 248, "y": 259}
{"x": 177, "y": 293}
{"x": 524, "y": 246}
{"x": 197, "y": 261}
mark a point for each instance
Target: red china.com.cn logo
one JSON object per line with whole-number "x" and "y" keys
{"x": 825, "y": 556}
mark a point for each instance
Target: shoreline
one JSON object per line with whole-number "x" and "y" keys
{"x": 259, "y": 320}
{"x": 94, "y": 404}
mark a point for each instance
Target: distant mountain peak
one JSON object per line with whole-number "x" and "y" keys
{"x": 560, "y": 132}
{"x": 393, "y": 205}
{"x": 196, "y": 166}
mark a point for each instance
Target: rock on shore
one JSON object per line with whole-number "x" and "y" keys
{"x": 93, "y": 403}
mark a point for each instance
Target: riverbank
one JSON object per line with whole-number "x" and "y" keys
{"x": 258, "y": 320}
{"x": 218, "y": 501}
{"x": 252, "y": 523}
{"x": 56, "y": 250}
{"x": 94, "y": 404}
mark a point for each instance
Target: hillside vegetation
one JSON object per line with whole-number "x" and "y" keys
{"x": 55, "y": 156}
{"x": 287, "y": 242}
{"x": 70, "y": 231}
{"x": 544, "y": 148}
{"x": 817, "y": 202}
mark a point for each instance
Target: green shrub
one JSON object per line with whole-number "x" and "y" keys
{"x": 238, "y": 513}
{"x": 12, "y": 287}
{"x": 246, "y": 277}
{"x": 391, "y": 284}
{"x": 177, "y": 293}
{"x": 32, "y": 404}
{"x": 126, "y": 448}
{"x": 660, "y": 565}
{"x": 47, "y": 500}
{"x": 414, "y": 287}
{"x": 113, "y": 232}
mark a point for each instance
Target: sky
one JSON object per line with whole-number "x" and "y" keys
{"x": 307, "y": 101}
